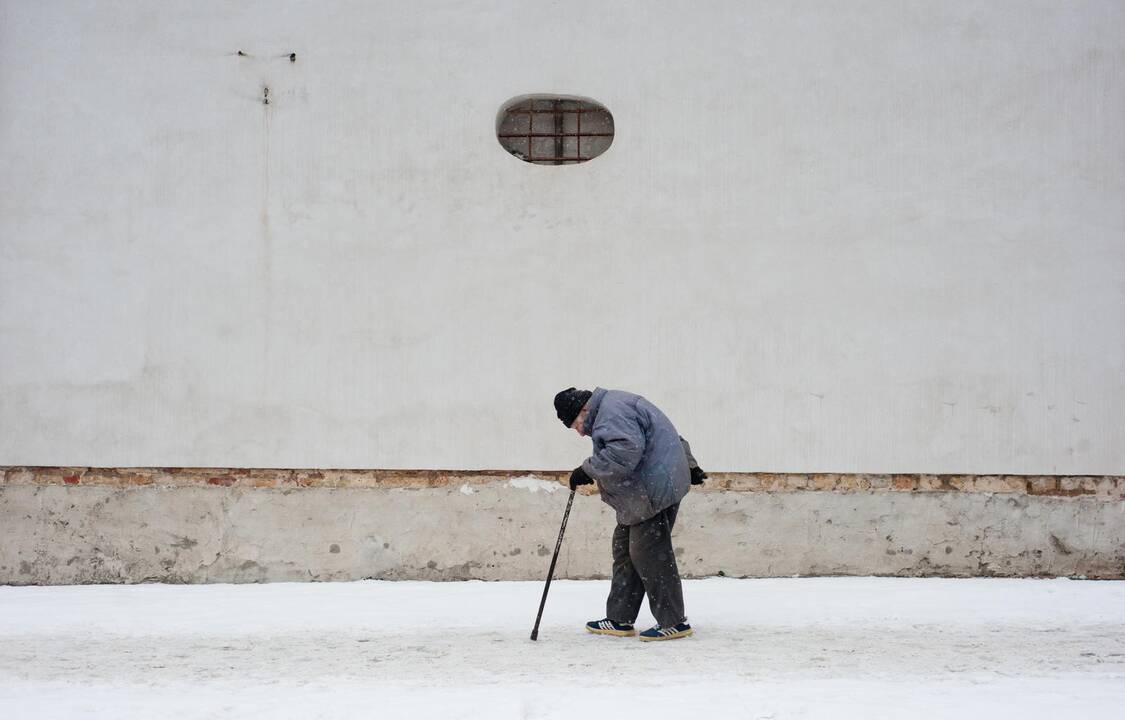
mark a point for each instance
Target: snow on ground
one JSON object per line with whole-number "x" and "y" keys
{"x": 781, "y": 648}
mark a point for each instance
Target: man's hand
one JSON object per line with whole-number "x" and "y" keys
{"x": 579, "y": 477}
{"x": 698, "y": 476}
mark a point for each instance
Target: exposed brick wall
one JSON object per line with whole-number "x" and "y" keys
{"x": 1108, "y": 487}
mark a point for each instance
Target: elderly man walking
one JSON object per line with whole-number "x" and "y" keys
{"x": 643, "y": 469}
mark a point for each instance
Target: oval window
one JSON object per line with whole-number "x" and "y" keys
{"x": 553, "y": 129}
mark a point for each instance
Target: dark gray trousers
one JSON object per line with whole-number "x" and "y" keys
{"x": 644, "y": 562}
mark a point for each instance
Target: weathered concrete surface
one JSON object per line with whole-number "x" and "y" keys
{"x": 505, "y": 529}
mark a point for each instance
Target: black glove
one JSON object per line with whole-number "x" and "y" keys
{"x": 579, "y": 477}
{"x": 698, "y": 476}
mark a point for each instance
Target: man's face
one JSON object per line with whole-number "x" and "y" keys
{"x": 579, "y": 421}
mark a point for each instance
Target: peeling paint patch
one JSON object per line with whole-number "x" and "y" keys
{"x": 534, "y": 484}
{"x": 466, "y": 489}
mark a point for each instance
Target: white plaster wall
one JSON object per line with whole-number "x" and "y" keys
{"x": 863, "y": 236}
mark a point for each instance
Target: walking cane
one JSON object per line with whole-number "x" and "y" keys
{"x": 551, "y": 570}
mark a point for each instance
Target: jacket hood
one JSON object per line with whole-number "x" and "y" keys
{"x": 592, "y": 405}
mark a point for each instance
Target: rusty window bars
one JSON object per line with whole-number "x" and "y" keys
{"x": 555, "y": 131}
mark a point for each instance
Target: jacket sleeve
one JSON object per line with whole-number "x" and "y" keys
{"x": 691, "y": 463}
{"x": 622, "y": 444}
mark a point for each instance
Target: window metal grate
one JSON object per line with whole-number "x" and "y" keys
{"x": 555, "y": 131}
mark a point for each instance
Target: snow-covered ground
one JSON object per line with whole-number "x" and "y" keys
{"x": 781, "y": 648}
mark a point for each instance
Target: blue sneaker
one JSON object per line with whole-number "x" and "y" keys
{"x": 609, "y": 627}
{"x": 659, "y": 633}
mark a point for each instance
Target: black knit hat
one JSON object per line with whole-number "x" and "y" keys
{"x": 568, "y": 404}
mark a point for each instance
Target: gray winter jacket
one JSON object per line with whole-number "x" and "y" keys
{"x": 639, "y": 463}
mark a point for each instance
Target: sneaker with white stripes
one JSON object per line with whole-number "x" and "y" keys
{"x": 610, "y": 627}
{"x": 670, "y": 633}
